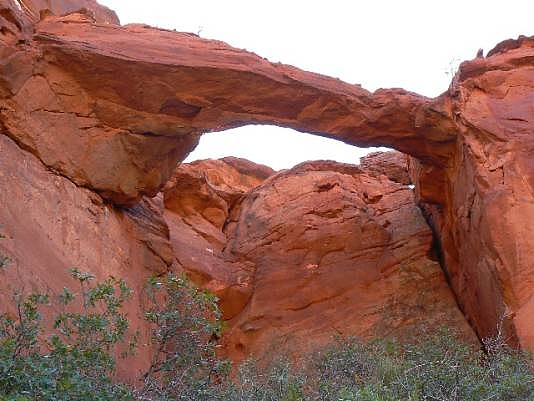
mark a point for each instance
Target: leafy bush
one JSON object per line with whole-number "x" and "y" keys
{"x": 76, "y": 362}
{"x": 280, "y": 382}
{"x": 186, "y": 322}
{"x": 5, "y": 261}
{"x": 437, "y": 368}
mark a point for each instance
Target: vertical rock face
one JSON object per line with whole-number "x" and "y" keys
{"x": 319, "y": 250}
{"x": 484, "y": 212}
{"x": 48, "y": 225}
{"x": 392, "y": 164}
{"x": 335, "y": 252}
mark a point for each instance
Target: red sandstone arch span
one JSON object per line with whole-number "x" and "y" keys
{"x": 176, "y": 86}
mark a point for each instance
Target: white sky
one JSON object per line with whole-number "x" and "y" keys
{"x": 376, "y": 43}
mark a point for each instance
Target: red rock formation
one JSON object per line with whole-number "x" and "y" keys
{"x": 174, "y": 87}
{"x": 316, "y": 251}
{"x": 115, "y": 108}
{"x": 393, "y": 164}
{"x": 48, "y": 225}
{"x": 198, "y": 201}
{"x": 40, "y": 9}
{"x": 483, "y": 211}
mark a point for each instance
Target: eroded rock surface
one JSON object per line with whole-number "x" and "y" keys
{"x": 319, "y": 250}
{"x": 48, "y": 225}
{"x": 198, "y": 201}
{"x": 483, "y": 209}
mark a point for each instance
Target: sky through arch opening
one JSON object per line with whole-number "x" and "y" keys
{"x": 276, "y": 147}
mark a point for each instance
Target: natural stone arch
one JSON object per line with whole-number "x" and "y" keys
{"x": 176, "y": 86}
{"x": 181, "y": 86}
{"x": 126, "y": 104}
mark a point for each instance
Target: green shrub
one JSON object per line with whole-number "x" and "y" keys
{"x": 186, "y": 323}
{"x": 5, "y": 261}
{"x": 76, "y": 361}
{"x": 279, "y": 382}
{"x": 437, "y": 368}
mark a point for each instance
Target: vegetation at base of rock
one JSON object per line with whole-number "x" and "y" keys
{"x": 74, "y": 359}
{"x": 436, "y": 368}
{"x": 185, "y": 324}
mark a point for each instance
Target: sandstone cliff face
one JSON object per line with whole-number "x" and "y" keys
{"x": 484, "y": 210}
{"x": 320, "y": 250}
{"x": 49, "y": 225}
{"x": 198, "y": 202}
{"x": 336, "y": 251}
{"x": 109, "y": 111}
